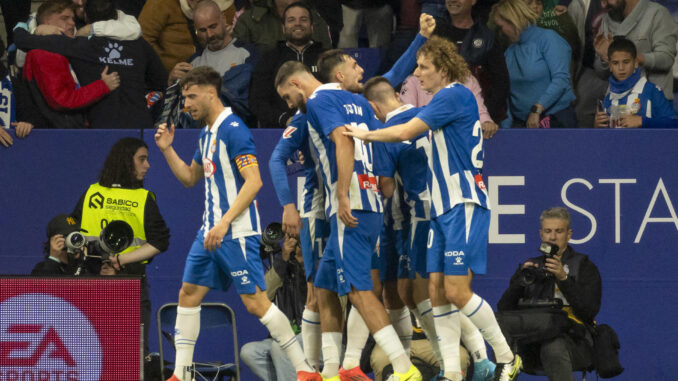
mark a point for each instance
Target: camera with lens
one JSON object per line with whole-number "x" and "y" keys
{"x": 272, "y": 239}
{"x": 531, "y": 275}
{"x": 114, "y": 238}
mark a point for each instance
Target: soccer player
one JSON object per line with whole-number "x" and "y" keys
{"x": 309, "y": 223}
{"x": 354, "y": 208}
{"x": 457, "y": 242}
{"x": 226, "y": 249}
{"x": 403, "y": 166}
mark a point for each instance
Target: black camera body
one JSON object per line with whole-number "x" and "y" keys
{"x": 531, "y": 275}
{"x": 272, "y": 240}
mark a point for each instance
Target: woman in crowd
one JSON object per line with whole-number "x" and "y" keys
{"x": 538, "y": 62}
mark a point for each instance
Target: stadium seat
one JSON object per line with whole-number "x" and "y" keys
{"x": 215, "y": 321}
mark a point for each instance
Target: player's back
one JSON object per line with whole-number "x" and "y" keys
{"x": 328, "y": 108}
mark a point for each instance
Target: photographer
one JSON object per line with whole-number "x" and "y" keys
{"x": 119, "y": 195}
{"x": 567, "y": 276}
{"x": 286, "y": 287}
{"x": 58, "y": 260}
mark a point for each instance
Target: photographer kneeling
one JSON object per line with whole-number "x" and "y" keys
{"x": 119, "y": 196}
{"x": 560, "y": 279}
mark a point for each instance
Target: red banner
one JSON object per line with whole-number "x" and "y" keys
{"x": 67, "y": 329}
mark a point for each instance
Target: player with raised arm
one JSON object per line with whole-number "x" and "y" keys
{"x": 457, "y": 242}
{"x": 226, "y": 249}
{"x": 354, "y": 208}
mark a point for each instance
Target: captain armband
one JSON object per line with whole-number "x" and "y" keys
{"x": 244, "y": 161}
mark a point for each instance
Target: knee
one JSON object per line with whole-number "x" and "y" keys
{"x": 188, "y": 296}
{"x": 457, "y": 296}
{"x": 555, "y": 351}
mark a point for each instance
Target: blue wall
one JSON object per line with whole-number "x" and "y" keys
{"x": 620, "y": 185}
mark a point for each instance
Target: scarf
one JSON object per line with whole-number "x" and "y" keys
{"x": 621, "y": 87}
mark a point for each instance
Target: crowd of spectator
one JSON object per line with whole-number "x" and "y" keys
{"x": 116, "y": 64}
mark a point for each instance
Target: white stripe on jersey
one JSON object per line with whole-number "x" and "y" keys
{"x": 468, "y": 211}
{"x": 325, "y": 168}
{"x": 472, "y": 182}
{"x": 340, "y": 237}
{"x": 206, "y": 217}
{"x": 243, "y": 247}
{"x": 451, "y": 182}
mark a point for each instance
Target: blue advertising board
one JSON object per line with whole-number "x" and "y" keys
{"x": 620, "y": 186}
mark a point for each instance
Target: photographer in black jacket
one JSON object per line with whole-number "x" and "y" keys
{"x": 570, "y": 277}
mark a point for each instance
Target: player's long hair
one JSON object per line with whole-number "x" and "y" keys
{"x": 515, "y": 12}
{"x": 119, "y": 165}
{"x": 443, "y": 54}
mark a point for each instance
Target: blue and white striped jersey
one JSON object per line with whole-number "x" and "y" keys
{"x": 223, "y": 150}
{"x": 330, "y": 107}
{"x": 408, "y": 160}
{"x": 396, "y": 210}
{"x": 456, "y": 159}
{"x": 295, "y": 138}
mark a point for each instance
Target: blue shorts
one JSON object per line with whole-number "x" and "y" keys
{"x": 413, "y": 260}
{"x": 346, "y": 261}
{"x": 385, "y": 259}
{"x": 457, "y": 241}
{"x": 236, "y": 260}
{"x": 313, "y": 235}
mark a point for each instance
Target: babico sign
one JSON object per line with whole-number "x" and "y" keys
{"x": 68, "y": 329}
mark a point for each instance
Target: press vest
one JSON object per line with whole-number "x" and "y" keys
{"x": 103, "y": 205}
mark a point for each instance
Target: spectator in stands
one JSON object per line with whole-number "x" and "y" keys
{"x": 262, "y": 25}
{"x": 631, "y": 99}
{"x": 377, "y": 16}
{"x": 58, "y": 261}
{"x": 588, "y": 85}
{"x": 139, "y": 68}
{"x": 538, "y": 65}
{"x": 483, "y": 53}
{"x": 435, "y": 8}
{"x": 57, "y": 95}
{"x": 330, "y": 12}
{"x": 286, "y": 287}
{"x": 80, "y": 18}
{"x": 651, "y": 28}
{"x": 560, "y": 22}
{"x": 230, "y": 57}
{"x": 168, "y": 26}
{"x": 271, "y": 110}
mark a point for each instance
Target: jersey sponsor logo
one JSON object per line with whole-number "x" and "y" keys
{"x": 239, "y": 273}
{"x": 368, "y": 182}
{"x": 454, "y": 253}
{"x": 479, "y": 181}
{"x": 96, "y": 201}
{"x": 39, "y": 346}
{"x": 288, "y": 132}
{"x": 208, "y": 167}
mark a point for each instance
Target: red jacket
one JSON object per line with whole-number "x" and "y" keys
{"x": 51, "y": 73}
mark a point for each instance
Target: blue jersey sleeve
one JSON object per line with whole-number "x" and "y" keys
{"x": 444, "y": 108}
{"x": 237, "y": 137}
{"x": 197, "y": 156}
{"x": 292, "y": 140}
{"x": 663, "y": 115}
{"x": 384, "y": 161}
{"x": 405, "y": 65}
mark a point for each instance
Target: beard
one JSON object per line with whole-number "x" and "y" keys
{"x": 616, "y": 12}
{"x": 301, "y": 41}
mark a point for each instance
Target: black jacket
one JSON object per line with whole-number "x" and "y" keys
{"x": 267, "y": 105}
{"x": 583, "y": 291}
{"x": 135, "y": 61}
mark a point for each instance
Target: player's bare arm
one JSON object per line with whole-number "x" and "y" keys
{"x": 187, "y": 175}
{"x": 242, "y": 201}
{"x": 394, "y": 134}
{"x": 345, "y": 157}
{"x": 291, "y": 220}
{"x": 386, "y": 186}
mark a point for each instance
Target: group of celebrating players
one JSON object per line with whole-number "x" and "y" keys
{"x": 393, "y": 194}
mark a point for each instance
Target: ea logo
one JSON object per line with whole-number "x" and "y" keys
{"x": 209, "y": 167}
{"x": 35, "y": 345}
